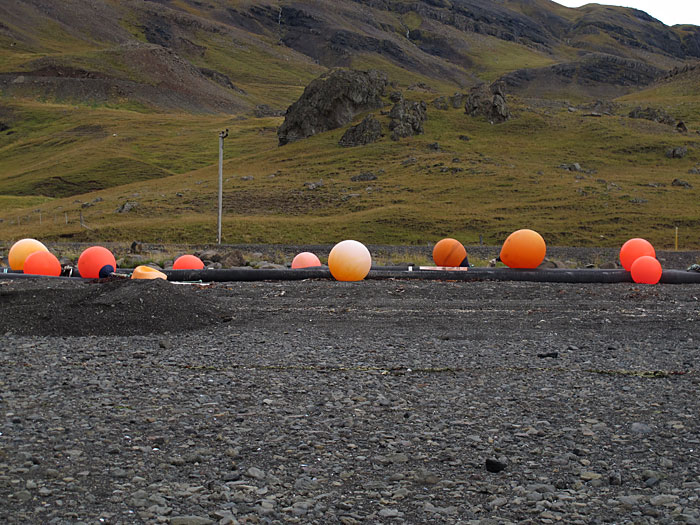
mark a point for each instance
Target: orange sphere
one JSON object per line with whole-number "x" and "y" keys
{"x": 42, "y": 263}
{"x": 188, "y": 262}
{"x": 305, "y": 260}
{"x": 449, "y": 252}
{"x": 523, "y": 249}
{"x": 96, "y": 262}
{"x": 23, "y": 249}
{"x": 646, "y": 270}
{"x": 633, "y": 249}
{"x": 349, "y": 261}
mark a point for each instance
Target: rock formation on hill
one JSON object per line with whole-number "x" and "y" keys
{"x": 332, "y": 101}
{"x": 407, "y": 119}
{"x": 489, "y": 102}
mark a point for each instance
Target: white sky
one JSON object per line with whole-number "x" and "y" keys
{"x": 670, "y": 12}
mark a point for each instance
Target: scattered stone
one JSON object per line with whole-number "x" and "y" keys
{"x": 495, "y": 465}
{"x": 457, "y": 100}
{"x": 190, "y": 520}
{"x": 441, "y": 104}
{"x": 127, "y": 207}
{"x": 677, "y": 153}
{"x": 681, "y": 184}
{"x": 640, "y": 428}
{"x": 365, "y": 176}
{"x": 256, "y": 473}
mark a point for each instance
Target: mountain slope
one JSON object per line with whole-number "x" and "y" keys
{"x": 219, "y": 56}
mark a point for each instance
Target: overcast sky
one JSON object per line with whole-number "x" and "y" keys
{"x": 670, "y": 12}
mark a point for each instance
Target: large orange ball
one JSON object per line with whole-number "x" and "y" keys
{"x": 449, "y": 252}
{"x": 349, "y": 261}
{"x": 305, "y": 260}
{"x": 42, "y": 263}
{"x": 646, "y": 270}
{"x": 633, "y": 249}
{"x": 188, "y": 262}
{"x": 523, "y": 249}
{"x": 23, "y": 249}
{"x": 96, "y": 262}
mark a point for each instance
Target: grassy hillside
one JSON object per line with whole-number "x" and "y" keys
{"x": 124, "y": 106}
{"x": 505, "y": 177}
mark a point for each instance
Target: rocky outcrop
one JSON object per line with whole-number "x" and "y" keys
{"x": 407, "y": 119}
{"x": 366, "y": 132}
{"x": 332, "y": 101}
{"x": 653, "y": 114}
{"x": 489, "y": 102}
{"x": 598, "y": 74}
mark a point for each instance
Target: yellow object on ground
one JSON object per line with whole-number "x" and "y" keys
{"x": 146, "y": 272}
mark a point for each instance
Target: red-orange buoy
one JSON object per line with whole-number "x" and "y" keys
{"x": 21, "y": 250}
{"x": 646, "y": 270}
{"x": 305, "y": 260}
{"x": 449, "y": 252}
{"x": 188, "y": 262}
{"x": 633, "y": 249}
{"x": 42, "y": 263}
{"x": 523, "y": 249}
{"x": 95, "y": 262}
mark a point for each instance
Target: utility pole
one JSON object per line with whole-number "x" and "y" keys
{"x": 222, "y": 136}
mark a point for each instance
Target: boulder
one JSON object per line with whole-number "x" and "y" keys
{"x": 126, "y": 207}
{"x": 457, "y": 100}
{"x": 332, "y": 101}
{"x": 489, "y": 102}
{"x": 677, "y": 153}
{"x": 366, "y": 132}
{"x": 407, "y": 119}
{"x": 441, "y": 104}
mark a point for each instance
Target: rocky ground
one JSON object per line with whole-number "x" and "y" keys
{"x": 372, "y": 402}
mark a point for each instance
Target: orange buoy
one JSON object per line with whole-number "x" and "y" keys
{"x": 96, "y": 262}
{"x": 188, "y": 262}
{"x": 305, "y": 260}
{"x": 21, "y": 250}
{"x": 449, "y": 252}
{"x": 146, "y": 272}
{"x": 523, "y": 249}
{"x": 42, "y": 263}
{"x": 633, "y": 249}
{"x": 646, "y": 270}
{"x": 349, "y": 261}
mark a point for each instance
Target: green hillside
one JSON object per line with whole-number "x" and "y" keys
{"x": 127, "y": 109}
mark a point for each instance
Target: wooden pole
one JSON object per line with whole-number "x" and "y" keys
{"x": 676, "y": 238}
{"x": 222, "y": 136}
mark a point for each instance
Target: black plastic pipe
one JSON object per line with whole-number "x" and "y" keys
{"x": 472, "y": 274}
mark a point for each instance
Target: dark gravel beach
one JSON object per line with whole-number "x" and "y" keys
{"x": 373, "y": 402}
